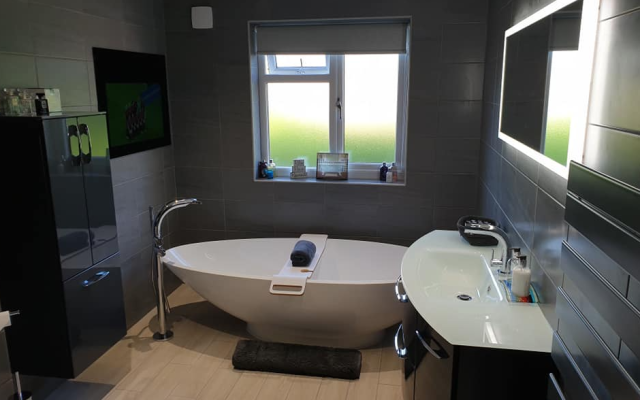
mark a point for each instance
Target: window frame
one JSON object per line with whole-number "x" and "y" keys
{"x": 334, "y": 76}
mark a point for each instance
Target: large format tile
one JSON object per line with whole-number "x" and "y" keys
{"x": 70, "y": 76}
{"x": 17, "y": 71}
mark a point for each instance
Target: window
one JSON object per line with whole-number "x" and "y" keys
{"x": 344, "y": 101}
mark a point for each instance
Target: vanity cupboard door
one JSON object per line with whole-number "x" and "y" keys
{"x": 434, "y": 364}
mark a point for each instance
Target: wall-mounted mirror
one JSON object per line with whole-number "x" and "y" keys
{"x": 546, "y": 78}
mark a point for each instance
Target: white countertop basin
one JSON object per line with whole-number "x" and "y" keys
{"x": 440, "y": 266}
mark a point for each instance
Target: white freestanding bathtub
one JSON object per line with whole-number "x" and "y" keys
{"x": 348, "y": 302}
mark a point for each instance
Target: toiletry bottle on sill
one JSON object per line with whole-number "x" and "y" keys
{"x": 520, "y": 277}
{"x": 272, "y": 166}
{"x": 383, "y": 172}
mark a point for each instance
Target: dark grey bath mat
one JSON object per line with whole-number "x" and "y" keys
{"x": 254, "y": 355}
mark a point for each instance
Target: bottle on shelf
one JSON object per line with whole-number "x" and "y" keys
{"x": 520, "y": 277}
{"x": 383, "y": 172}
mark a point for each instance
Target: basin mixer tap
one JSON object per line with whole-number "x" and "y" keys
{"x": 504, "y": 263}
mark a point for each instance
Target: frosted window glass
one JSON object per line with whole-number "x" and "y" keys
{"x": 298, "y": 121}
{"x": 371, "y": 107}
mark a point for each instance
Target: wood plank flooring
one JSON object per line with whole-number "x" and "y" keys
{"x": 196, "y": 364}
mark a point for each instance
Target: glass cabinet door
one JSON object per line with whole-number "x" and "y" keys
{"x": 98, "y": 185}
{"x": 67, "y": 189}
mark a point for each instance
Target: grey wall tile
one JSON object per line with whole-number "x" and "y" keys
{"x": 299, "y": 218}
{"x": 202, "y": 183}
{"x": 351, "y": 219}
{"x": 17, "y": 71}
{"x": 351, "y": 194}
{"x": 239, "y": 185}
{"x": 56, "y": 32}
{"x": 297, "y": 193}
{"x": 457, "y": 155}
{"x": 255, "y": 215}
{"x": 615, "y": 75}
{"x": 612, "y": 8}
{"x": 208, "y": 215}
{"x": 459, "y": 118}
{"x": 462, "y": 43}
{"x": 462, "y": 82}
{"x": 404, "y": 222}
{"x": 14, "y": 19}
{"x": 70, "y": 76}
{"x": 456, "y": 190}
{"x": 419, "y": 191}
{"x": 550, "y": 230}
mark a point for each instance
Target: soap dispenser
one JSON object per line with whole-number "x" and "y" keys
{"x": 520, "y": 277}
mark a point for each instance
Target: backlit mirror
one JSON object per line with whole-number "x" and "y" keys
{"x": 545, "y": 82}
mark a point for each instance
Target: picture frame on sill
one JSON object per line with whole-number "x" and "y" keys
{"x": 332, "y": 166}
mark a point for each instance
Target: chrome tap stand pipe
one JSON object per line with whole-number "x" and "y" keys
{"x": 164, "y": 333}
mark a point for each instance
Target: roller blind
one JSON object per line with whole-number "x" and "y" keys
{"x": 333, "y": 38}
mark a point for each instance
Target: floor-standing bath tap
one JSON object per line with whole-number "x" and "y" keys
{"x": 164, "y": 333}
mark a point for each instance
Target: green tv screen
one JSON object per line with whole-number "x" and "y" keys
{"x": 134, "y": 113}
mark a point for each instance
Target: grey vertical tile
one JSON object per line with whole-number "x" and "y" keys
{"x": 615, "y": 89}
{"x": 208, "y": 215}
{"x": 419, "y": 191}
{"x": 464, "y": 43}
{"x": 239, "y": 185}
{"x": 202, "y": 183}
{"x": 70, "y": 76}
{"x": 299, "y": 193}
{"x": 403, "y": 222}
{"x": 461, "y": 82}
{"x": 447, "y": 218}
{"x": 299, "y": 217}
{"x": 56, "y": 32}
{"x": 459, "y": 118}
{"x": 255, "y": 216}
{"x": 456, "y": 190}
{"x": 17, "y": 71}
{"x": 554, "y": 184}
{"x": 351, "y": 219}
{"x": 550, "y": 231}
{"x": 13, "y": 22}
{"x": 457, "y": 155}
{"x": 351, "y": 194}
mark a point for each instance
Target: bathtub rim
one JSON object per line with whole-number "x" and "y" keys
{"x": 172, "y": 264}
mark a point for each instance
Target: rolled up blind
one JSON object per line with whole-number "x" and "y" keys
{"x": 388, "y": 36}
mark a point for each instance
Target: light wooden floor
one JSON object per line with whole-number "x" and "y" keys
{"x": 196, "y": 364}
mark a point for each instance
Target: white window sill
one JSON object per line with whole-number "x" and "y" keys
{"x": 330, "y": 181}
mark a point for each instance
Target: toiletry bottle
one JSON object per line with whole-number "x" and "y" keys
{"x": 383, "y": 172}
{"x": 520, "y": 277}
{"x": 272, "y": 167}
{"x": 42, "y": 105}
{"x": 389, "y": 177}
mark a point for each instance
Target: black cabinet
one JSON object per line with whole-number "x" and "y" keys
{"x": 62, "y": 270}
{"x": 438, "y": 370}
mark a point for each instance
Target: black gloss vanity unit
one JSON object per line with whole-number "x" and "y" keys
{"x": 61, "y": 265}
{"x": 434, "y": 369}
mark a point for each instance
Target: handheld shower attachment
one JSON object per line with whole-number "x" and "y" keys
{"x": 157, "y": 271}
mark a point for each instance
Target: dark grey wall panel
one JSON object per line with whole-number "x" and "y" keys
{"x": 614, "y": 198}
{"x": 599, "y": 260}
{"x": 600, "y": 325}
{"x": 612, "y": 8}
{"x": 621, "y": 246}
{"x": 575, "y": 387}
{"x": 606, "y": 147}
{"x": 609, "y": 370}
{"x": 611, "y": 306}
{"x": 616, "y": 77}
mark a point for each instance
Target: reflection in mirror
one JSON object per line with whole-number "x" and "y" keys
{"x": 541, "y": 82}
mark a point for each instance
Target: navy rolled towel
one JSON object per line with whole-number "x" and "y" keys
{"x": 302, "y": 254}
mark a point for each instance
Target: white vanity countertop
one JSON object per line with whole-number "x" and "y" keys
{"x": 478, "y": 323}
